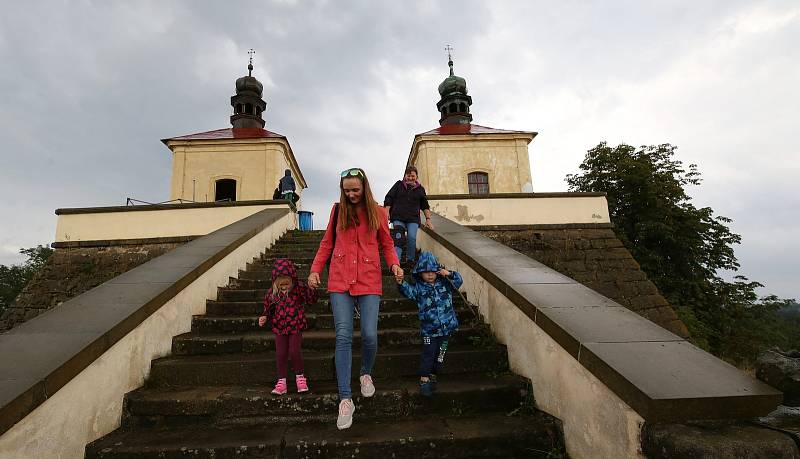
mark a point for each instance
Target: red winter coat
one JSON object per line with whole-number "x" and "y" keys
{"x": 355, "y": 267}
{"x": 286, "y": 313}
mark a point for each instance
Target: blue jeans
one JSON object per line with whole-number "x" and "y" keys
{"x": 411, "y": 234}
{"x": 342, "y": 305}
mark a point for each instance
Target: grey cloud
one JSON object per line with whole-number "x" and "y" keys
{"x": 87, "y": 89}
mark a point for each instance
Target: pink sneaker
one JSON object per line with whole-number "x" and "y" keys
{"x": 302, "y": 383}
{"x": 367, "y": 386}
{"x": 280, "y": 387}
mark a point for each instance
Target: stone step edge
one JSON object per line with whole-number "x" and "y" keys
{"x": 325, "y": 389}
{"x": 308, "y": 354}
{"x": 325, "y": 333}
{"x": 444, "y": 429}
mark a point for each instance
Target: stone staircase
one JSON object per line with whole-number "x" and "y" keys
{"x": 211, "y": 398}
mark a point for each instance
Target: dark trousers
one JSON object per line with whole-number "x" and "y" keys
{"x": 288, "y": 346}
{"x": 433, "y": 351}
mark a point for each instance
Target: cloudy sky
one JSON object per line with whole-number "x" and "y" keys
{"x": 87, "y": 89}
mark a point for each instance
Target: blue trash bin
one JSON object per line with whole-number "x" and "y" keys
{"x": 306, "y": 220}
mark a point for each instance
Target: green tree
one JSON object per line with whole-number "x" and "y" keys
{"x": 682, "y": 248}
{"x": 14, "y": 278}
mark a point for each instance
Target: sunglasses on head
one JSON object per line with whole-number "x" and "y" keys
{"x": 352, "y": 172}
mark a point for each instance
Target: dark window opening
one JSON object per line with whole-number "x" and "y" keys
{"x": 453, "y": 107}
{"x": 478, "y": 183}
{"x": 462, "y": 107}
{"x": 238, "y": 108}
{"x": 444, "y": 109}
{"x": 225, "y": 190}
{"x": 248, "y": 108}
{"x": 258, "y": 111}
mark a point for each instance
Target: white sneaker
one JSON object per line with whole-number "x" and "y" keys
{"x": 367, "y": 387}
{"x": 346, "y": 410}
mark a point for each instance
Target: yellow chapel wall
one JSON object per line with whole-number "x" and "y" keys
{"x": 257, "y": 166}
{"x": 443, "y": 163}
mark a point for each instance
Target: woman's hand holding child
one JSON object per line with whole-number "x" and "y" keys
{"x": 313, "y": 280}
{"x": 398, "y": 273}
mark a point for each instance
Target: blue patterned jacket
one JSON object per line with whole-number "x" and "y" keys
{"x": 435, "y": 301}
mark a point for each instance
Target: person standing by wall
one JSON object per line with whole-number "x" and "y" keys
{"x": 404, "y": 201}
{"x": 286, "y": 186}
{"x": 357, "y": 226}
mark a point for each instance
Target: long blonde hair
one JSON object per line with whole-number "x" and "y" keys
{"x": 348, "y": 213}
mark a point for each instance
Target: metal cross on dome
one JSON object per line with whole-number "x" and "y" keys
{"x": 250, "y": 66}
{"x": 449, "y": 48}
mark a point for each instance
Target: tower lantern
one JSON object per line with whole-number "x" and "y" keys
{"x": 454, "y": 103}
{"x": 248, "y": 106}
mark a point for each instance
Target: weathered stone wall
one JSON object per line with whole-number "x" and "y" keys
{"x": 595, "y": 257}
{"x": 74, "y": 270}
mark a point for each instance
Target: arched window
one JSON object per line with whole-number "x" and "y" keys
{"x": 462, "y": 107}
{"x": 248, "y": 108}
{"x": 225, "y": 190}
{"x": 478, "y": 183}
{"x": 238, "y": 108}
{"x": 453, "y": 107}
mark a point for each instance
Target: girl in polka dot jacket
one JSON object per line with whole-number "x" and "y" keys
{"x": 284, "y": 309}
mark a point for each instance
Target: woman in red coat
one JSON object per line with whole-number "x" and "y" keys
{"x": 354, "y": 277}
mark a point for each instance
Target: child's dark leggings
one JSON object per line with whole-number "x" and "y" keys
{"x": 287, "y": 346}
{"x": 432, "y": 358}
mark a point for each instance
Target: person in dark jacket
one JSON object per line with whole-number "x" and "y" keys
{"x": 286, "y": 183}
{"x": 433, "y": 291}
{"x": 286, "y": 188}
{"x": 404, "y": 201}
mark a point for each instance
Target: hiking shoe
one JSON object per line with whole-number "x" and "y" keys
{"x": 280, "y": 387}
{"x": 346, "y": 410}
{"x": 367, "y": 387}
{"x": 426, "y": 388}
{"x": 302, "y": 383}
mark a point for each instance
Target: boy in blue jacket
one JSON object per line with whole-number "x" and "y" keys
{"x": 433, "y": 291}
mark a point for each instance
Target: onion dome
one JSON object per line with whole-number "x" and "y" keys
{"x": 452, "y": 84}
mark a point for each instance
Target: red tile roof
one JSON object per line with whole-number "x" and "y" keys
{"x": 456, "y": 129}
{"x": 229, "y": 133}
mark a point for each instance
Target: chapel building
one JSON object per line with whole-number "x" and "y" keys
{"x": 460, "y": 157}
{"x": 241, "y": 163}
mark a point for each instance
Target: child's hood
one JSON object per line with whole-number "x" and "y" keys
{"x": 427, "y": 263}
{"x": 284, "y": 267}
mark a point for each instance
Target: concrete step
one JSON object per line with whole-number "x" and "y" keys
{"x": 297, "y": 245}
{"x": 264, "y": 340}
{"x": 249, "y": 369}
{"x": 465, "y": 394}
{"x": 242, "y": 294}
{"x": 316, "y": 321}
{"x": 244, "y": 324}
{"x": 485, "y": 436}
{"x": 300, "y": 257}
{"x": 262, "y": 283}
{"x": 323, "y": 305}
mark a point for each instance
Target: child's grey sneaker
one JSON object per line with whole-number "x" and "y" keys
{"x": 426, "y": 388}
{"x": 346, "y": 410}
{"x": 367, "y": 387}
